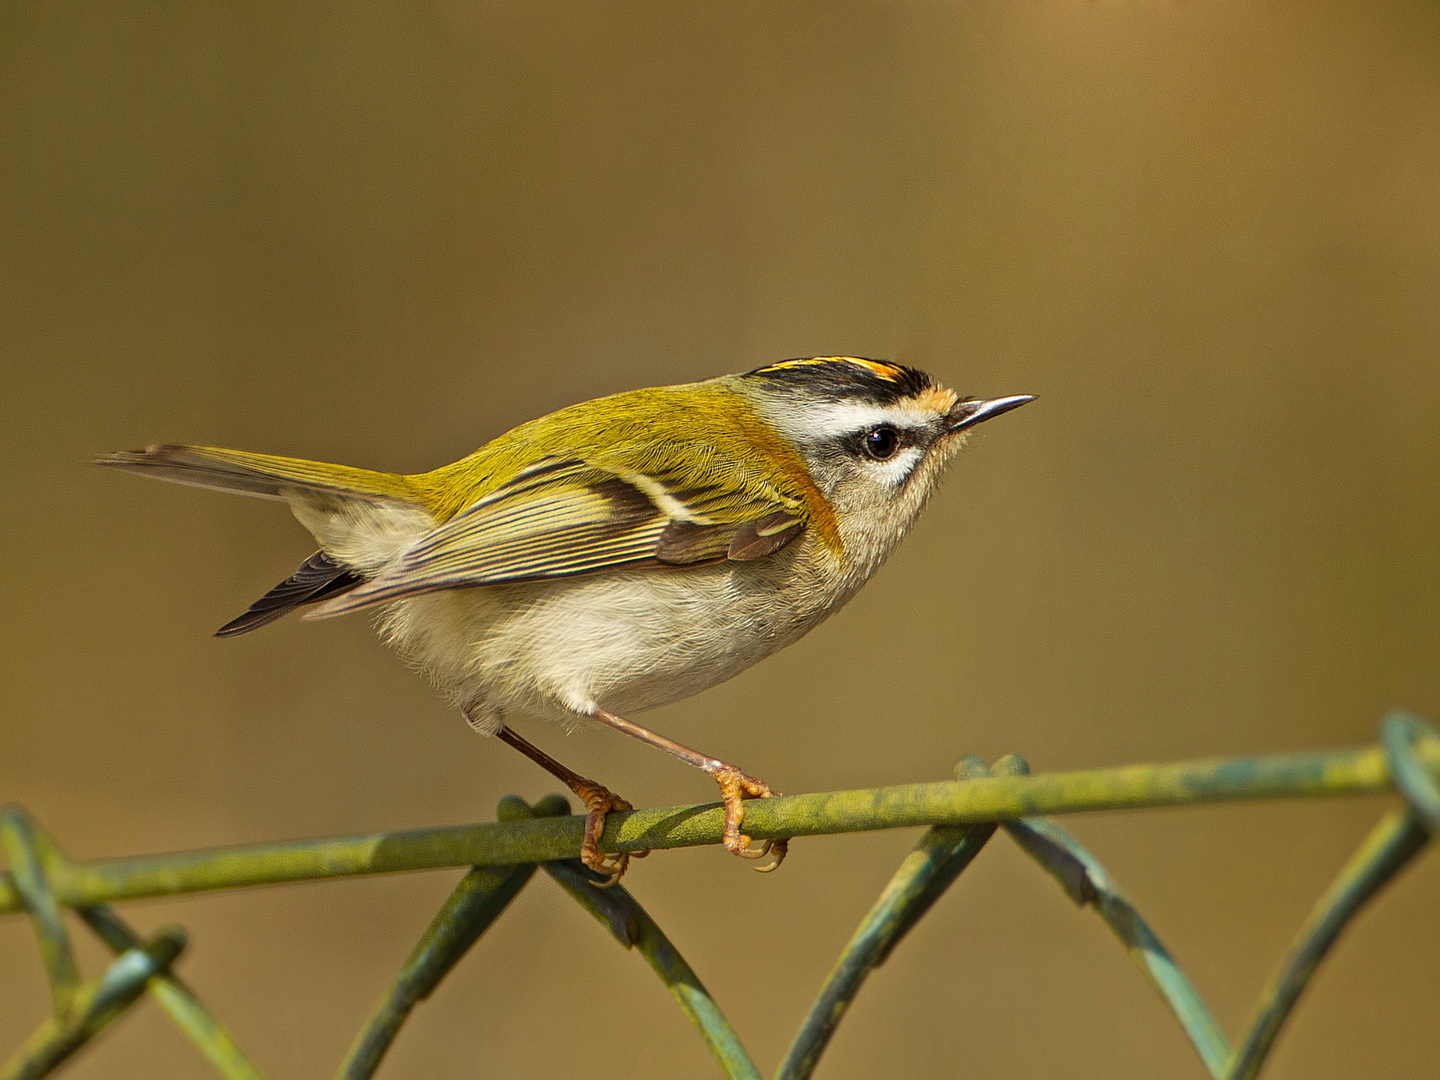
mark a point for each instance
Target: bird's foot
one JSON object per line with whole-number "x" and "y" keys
{"x": 599, "y": 801}
{"x": 735, "y": 788}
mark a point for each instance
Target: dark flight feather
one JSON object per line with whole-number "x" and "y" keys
{"x": 684, "y": 542}
{"x": 763, "y": 536}
{"x": 316, "y": 579}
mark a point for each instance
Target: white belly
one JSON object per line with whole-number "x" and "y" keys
{"x": 624, "y": 641}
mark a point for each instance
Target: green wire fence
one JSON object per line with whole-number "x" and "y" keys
{"x": 962, "y": 816}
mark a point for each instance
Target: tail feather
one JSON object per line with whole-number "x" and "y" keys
{"x": 317, "y": 578}
{"x": 262, "y": 475}
{"x": 357, "y": 515}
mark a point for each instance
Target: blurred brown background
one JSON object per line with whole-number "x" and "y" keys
{"x": 1208, "y": 235}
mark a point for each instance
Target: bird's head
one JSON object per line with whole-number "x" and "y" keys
{"x": 874, "y": 436}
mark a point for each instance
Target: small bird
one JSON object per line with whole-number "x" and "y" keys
{"x": 619, "y": 554}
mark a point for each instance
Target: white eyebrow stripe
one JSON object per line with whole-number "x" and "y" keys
{"x": 833, "y": 419}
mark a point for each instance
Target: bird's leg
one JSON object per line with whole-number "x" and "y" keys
{"x": 598, "y": 799}
{"x": 735, "y": 788}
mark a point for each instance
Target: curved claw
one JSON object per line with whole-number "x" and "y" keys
{"x": 735, "y": 788}
{"x": 778, "y": 848}
{"x": 612, "y": 868}
{"x": 746, "y": 848}
{"x": 599, "y": 801}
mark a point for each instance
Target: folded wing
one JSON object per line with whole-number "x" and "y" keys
{"x": 563, "y": 516}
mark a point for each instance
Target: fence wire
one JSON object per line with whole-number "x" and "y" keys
{"x": 962, "y": 816}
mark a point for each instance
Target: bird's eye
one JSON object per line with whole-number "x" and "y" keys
{"x": 881, "y": 443}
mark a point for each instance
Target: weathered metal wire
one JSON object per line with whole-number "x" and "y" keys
{"x": 940, "y": 856}
{"x": 1088, "y": 884}
{"x": 95, "y": 1005}
{"x": 1324, "y": 773}
{"x": 943, "y": 853}
{"x": 1390, "y": 846}
{"x": 45, "y": 859}
{"x": 919, "y": 883}
{"x": 481, "y": 897}
{"x": 27, "y": 872}
{"x": 178, "y": 1000}
{"x": 963, "y": 815}
{"x": 1404, "y": 738}
{"x": 632, "y": 926}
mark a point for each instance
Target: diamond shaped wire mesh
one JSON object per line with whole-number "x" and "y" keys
{"x": 962, "y": 816}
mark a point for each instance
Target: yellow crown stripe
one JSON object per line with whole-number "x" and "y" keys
{"x": 885, "y": 371}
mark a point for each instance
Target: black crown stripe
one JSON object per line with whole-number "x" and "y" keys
{"x": 844, "y": 377}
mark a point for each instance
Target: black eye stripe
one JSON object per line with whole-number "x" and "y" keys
{"x": 859, "y": 444}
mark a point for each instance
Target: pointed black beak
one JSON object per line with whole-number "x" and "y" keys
{"x": 966, "y": 414}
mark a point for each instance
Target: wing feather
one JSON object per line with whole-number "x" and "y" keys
{"x": 558, "y": 517}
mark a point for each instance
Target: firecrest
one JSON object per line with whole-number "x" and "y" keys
{"x": 619, "y": 554}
